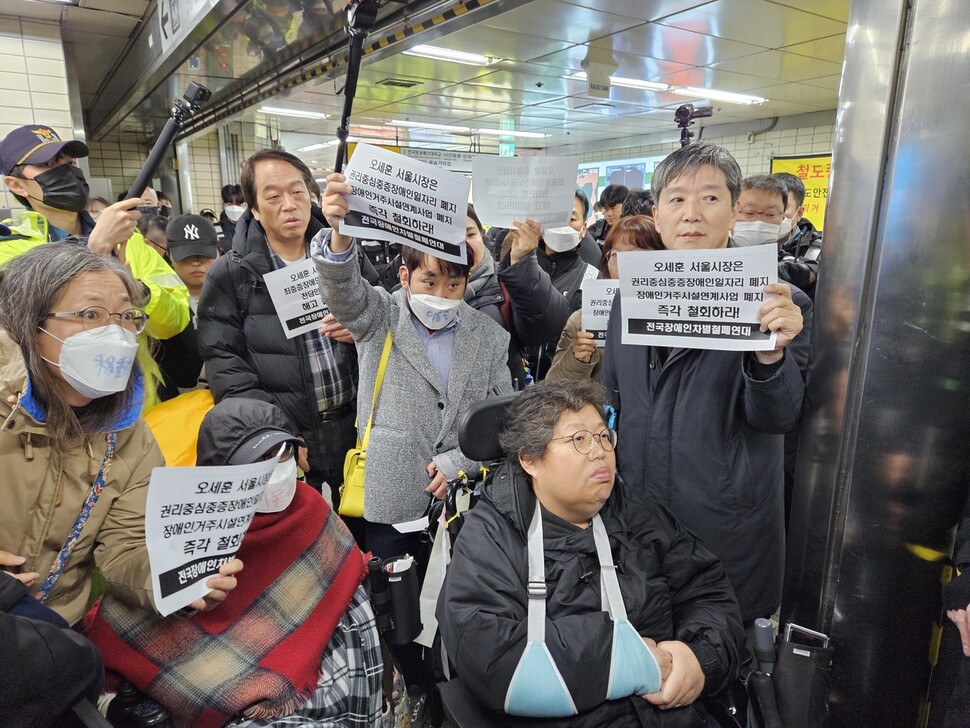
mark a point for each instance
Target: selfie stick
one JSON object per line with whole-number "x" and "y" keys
{"x": 195, "y": 95}
{"x": 361, "y": 17}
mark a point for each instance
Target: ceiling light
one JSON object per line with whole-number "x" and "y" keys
{"x": 523, "y": 134}
{"x": 435, "y": 127}
{"x": 725, "y": 96}
{"x": 624, "y": 82}
{"x": 445, "y": 54}
{"x": 277, "y": 111}
{"x": 322, "y": 145}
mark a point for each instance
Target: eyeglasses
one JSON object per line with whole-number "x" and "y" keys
{"x": 94, "y": 317}
{"x": 583, "y": 440}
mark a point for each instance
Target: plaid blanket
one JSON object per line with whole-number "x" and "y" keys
{"x": 258, "y": 654}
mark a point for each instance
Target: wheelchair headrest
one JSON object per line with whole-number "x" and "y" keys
{"x": 479, "y": 428}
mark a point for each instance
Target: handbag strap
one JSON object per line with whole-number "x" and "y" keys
{"x": 381, "y": 368}
{"x": 57, "y": 568}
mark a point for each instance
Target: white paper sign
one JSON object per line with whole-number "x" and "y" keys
{"x": 598, "y": 294}
{"x": 296, "y": 295}
{"x": 535, "y": 188}
{"x": 195, "y": 519}
{"x": 406, "y": 201}
{"x": 697, "y": 299}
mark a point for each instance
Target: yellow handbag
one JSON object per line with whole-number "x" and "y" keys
{"x": 352, "y": 491}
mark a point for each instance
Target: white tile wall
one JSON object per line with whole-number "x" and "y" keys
{"x": 33, "y": 81}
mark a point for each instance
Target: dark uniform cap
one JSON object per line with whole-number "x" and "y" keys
{"x": 35, "y": 144}
{"x": 240, "y": 430}
{"x": 189, "y": 235}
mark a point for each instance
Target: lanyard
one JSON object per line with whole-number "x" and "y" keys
{"x": 64, "y": 554}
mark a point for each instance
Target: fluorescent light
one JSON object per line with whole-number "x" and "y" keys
{"x": 624, "y": 82}
{"x": 435, "y": 127}
{"x": 291, "y": 112}
{"x": 446, "y": 54}
{"x": 322, "y": 145}
{"x": 523, "y": 134}
{"x": 725, "y": 96}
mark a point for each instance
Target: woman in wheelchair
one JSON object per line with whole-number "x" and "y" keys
{"x": 570, "y": 597}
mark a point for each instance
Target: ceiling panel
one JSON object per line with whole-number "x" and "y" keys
{"x": 756, "y": 22}
{"x": 834, "y": 9}
{"x": 828, "y": 48}
{"x": 562, "y": 21}
{"x": 521, "y": 46}
{"x": 779, "y": 65}
{"x": 680, "y": 46}
{"x": 639, "y": 9}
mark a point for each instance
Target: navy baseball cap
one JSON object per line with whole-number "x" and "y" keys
{"x": 35, "y": 144}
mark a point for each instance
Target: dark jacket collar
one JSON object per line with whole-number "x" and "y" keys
{"x": 249, "y": 242}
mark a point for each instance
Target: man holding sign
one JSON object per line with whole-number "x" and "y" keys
{"x": 700, "y": 430}
{"x": 264, "y": 329}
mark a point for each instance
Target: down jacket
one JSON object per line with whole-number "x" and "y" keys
{"x": 673, "y": 589}
{"x": 245, "y": 350}
{"x": 44, "y": 491}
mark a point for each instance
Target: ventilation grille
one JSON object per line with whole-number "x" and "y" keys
{"x": 398, "y": 83}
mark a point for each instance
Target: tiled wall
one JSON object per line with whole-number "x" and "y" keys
{"x": 119, "y": 161}
{"x": 204, "y": 172}
{"x": 754, "y": 156}
{"x": 33, "y": 92}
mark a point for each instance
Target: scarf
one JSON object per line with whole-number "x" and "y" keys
{"x": 479, "y": 277}
{"x": 257, "y": 654}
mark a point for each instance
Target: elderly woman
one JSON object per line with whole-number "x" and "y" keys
{"x": 577, "y": 356}
{"x": 75, "y": 456}
{"x": 297, "y": 644}
{"x": 570, "y": 597}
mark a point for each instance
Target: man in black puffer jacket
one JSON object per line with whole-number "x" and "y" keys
{"x": 312, "y": 377}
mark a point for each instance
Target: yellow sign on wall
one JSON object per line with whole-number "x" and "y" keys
{"x": 814, "y": 171}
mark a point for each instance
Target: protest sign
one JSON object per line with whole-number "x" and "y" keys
{"x": 697, "y": 299}
{"x": 534, "y": 188}
{"x": 295, "y": 291}
{"x": 195, "y": 519}
{"x": 598, "y": 294}
{"x": 406, "y": 201}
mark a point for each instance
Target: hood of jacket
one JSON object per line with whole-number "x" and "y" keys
{"x": 228, "y": 425}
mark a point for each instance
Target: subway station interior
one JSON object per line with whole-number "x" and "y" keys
{"x": 883, "y": 86}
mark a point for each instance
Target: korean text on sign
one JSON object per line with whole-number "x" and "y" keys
{"x": 697, "y": 299}
{"x": 406, "y": 201}
{"x": 295, "y": 290}
{"x": 535, "y": 188}
{"x": 195, "y": 519}
{"x": 598, "y": 295}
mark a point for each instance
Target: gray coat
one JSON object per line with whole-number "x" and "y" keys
{"x": 415, "y": 420}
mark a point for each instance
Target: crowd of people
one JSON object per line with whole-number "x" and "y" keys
{"x": 608, "y": 574}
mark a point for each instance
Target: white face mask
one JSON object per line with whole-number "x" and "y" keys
{"x": 755, "y": 232}
{"x": 281, "y": 488}
{"x": 234, "y": 212}
{"x": 98, "y": 362}
{"x": 561, "y": 239}
{"x": 434, "y": 312}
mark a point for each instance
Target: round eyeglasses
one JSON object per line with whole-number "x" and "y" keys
{"x": 95, "y": 317}
{"x": 583, "y": 440}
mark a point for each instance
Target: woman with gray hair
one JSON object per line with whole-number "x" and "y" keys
{"x": 570, "y": 597}
{"x": 74, "y": 452}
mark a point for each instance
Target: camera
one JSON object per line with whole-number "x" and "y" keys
{"x": 196, "y": 94}
{"x": 685, "y": 115}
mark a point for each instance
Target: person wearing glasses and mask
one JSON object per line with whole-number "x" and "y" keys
{"x": 297, "y": 643}
{"x": 75, "y": 454}
{"x": 570, "y": 596}
{"x": 40, "y": 170}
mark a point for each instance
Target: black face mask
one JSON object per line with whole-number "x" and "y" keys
{"x": 164, "y": 211}
{"x": 64, "y": 188}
